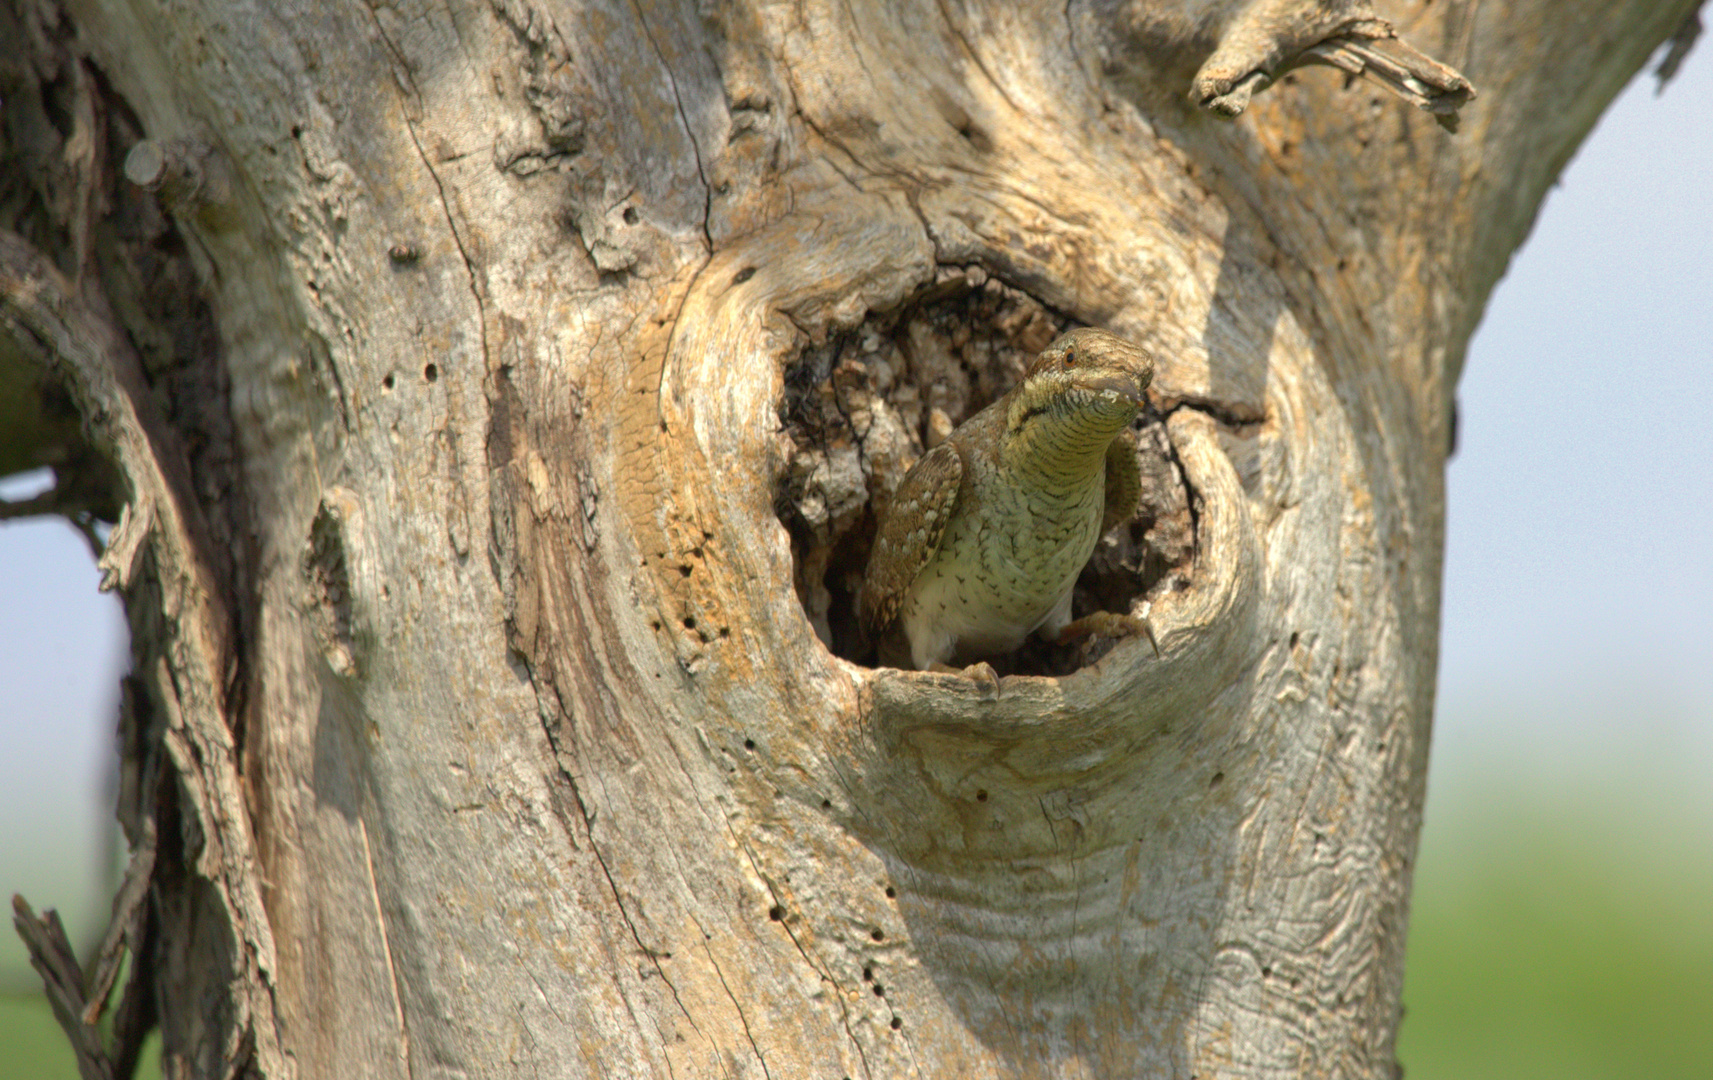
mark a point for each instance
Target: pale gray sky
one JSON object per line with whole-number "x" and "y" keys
{"x": 62, "y": 649}
{"x": 1577, "y": 649}
{"x": 1579, "y": 551}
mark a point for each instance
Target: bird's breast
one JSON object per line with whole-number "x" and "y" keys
{"x": 1003, "y": 565}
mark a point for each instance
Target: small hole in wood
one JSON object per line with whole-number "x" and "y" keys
{"x": 981, "y": 795}
{"x": 631, "y": 216}
{"x": 776, "y": 913}
{"x": 891, "y": 893}
{"x": 431, "y": 373}
{"x": 877, "y": 934}
{"x": 897, "y": 1023}
{"x": 1218, "y": 779}
{"x": 749, "y": 744}
{"x": 867, "y": 974}
{"x": 387, "y": 381}
{"x": 743, "y": 275}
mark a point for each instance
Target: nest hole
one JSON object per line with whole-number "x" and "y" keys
{"x": 860, "y": 408}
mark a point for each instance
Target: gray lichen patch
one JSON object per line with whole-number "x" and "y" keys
{"x": 859, "y": 409}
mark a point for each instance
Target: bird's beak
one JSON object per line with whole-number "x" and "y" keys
{"x": 1126, "y": 386}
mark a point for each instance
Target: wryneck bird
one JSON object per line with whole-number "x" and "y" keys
{"x": 988, "y": 531}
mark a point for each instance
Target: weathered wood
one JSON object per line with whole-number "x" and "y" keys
{"x": 52, "y": 957}
{"x": 491, "y": 735}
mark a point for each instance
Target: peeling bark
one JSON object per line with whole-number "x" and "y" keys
{"x": 500, "y": 397}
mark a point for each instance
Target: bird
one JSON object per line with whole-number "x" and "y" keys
{"x": 987, "y": 532}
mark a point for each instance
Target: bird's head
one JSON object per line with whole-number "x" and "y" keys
{"x": 1087, "y": 379}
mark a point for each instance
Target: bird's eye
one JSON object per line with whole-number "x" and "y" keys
{"x": 1070, "y": 358}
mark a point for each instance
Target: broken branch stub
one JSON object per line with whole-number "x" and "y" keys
{"x": 1271, "y": 38}
{"x": 53, "y": 958}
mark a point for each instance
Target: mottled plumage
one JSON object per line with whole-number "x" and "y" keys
{"x": 987, "y": 533}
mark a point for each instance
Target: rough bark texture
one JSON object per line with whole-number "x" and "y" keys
{"x": 503, "y": 394}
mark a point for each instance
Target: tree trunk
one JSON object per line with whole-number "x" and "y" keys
{"x": 503, "y": 396}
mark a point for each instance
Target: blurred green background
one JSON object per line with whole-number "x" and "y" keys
{"x": 1562, "y": 920}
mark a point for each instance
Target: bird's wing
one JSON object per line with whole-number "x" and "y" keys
{"x": 1123, "y": 482}
{"x": 910, "y": 535}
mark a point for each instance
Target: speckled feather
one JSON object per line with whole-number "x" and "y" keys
{"x": 1123, "y": 483}
{"x": 924, "y": 502}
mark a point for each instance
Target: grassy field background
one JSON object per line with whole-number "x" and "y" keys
{"x": 33, "y": 1048}
{"x": 1562, "y": 934}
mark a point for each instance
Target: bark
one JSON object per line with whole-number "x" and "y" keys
{"x": 501, "y": 396}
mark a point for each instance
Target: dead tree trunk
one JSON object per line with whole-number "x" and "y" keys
{"x": 502, "y": 395}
